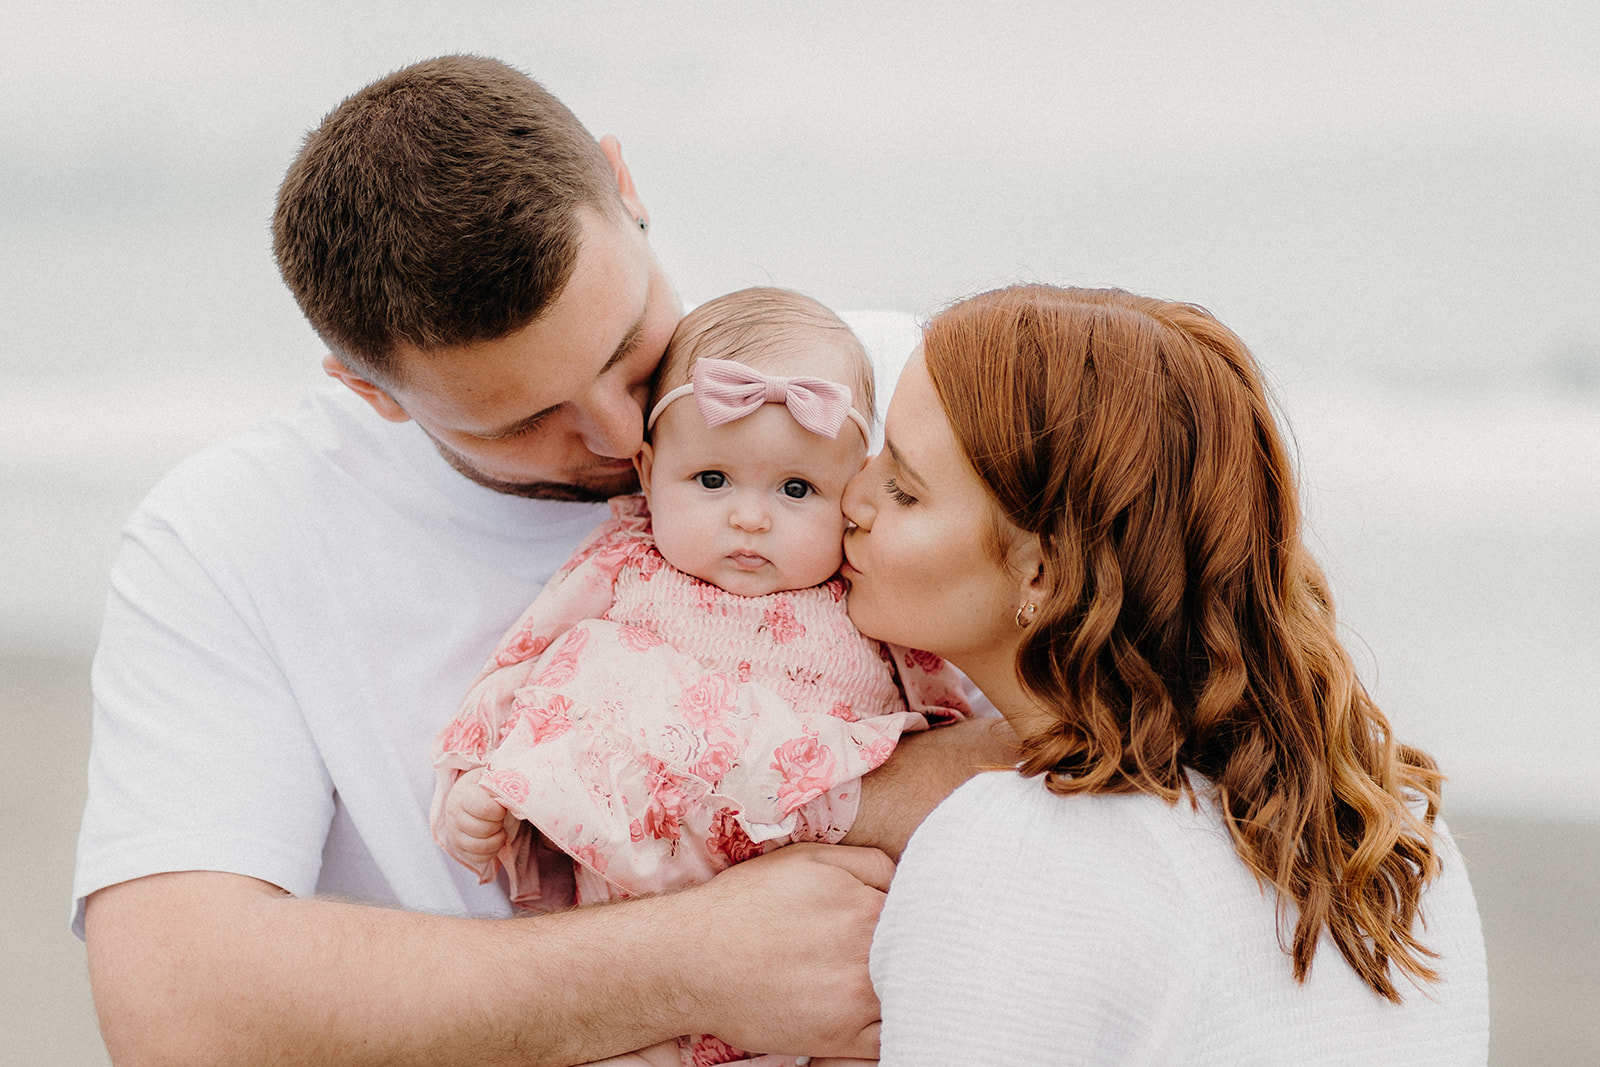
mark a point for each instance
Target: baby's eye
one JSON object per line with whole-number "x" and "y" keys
{"x": 711, "y": 479}
{"x": 797, "y": 489}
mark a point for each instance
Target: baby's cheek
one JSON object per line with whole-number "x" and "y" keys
{"x": 824, "y": 549}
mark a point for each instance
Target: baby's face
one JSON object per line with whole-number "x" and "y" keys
{"x": 753, "y": 505}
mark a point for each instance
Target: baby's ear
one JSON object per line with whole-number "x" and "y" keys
{"x": 643, "y": 460}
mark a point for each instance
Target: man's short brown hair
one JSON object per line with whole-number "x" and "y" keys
{"x": 437, "y": 206}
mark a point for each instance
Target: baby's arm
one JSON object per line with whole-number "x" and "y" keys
{"x": 474, "y": 822}
{"x": 460, "y": 813}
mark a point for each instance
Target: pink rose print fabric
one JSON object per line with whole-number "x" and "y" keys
{"x": 700, "y": 1052}
{"x": 656, "y": 729}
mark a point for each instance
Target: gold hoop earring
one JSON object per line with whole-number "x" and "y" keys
{"x": 1030, "y": 607}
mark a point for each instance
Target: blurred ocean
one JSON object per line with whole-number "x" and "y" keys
{"x": 1396, "y": 208}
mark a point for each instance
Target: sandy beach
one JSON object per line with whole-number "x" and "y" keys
{"x": 1532, "y": 878}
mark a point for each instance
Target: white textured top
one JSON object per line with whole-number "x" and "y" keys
{"x": 1027, "y": 928}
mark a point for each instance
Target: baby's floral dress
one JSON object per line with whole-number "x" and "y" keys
{"x": 648, "y": 729}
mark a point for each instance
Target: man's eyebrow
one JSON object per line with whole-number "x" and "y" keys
{"x": 900, "y": 461}
{"x": 629, "y": 339}
{"x": 523, "y": 425}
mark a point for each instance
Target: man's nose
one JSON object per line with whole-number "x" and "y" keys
{"x": 612, "y": 424}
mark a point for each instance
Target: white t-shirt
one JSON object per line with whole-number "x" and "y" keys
{"x": 292, "y": 617}
{"x": 1027, "y": 928}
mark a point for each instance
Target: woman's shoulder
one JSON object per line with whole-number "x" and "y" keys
{"x": 1126, "y": 869}
{"x": 1142, "y": 914}
{"x": 1005, "y": 806}
{"x": 1015, "y": 900}
{"x": 1135, "y": 854}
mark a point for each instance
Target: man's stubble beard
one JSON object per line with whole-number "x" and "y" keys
{"x": 578, "y": 492}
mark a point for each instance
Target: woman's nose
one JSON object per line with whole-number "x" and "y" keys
{"x": 855, "y": 502}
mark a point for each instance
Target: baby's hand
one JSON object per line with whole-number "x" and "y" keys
{"x": 474, "y": 822}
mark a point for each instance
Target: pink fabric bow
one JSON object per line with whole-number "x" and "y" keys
{"x": 726, "y": 390}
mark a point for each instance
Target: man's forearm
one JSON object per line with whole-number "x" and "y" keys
{"x": 209, "y": 968}
{"x": 214, "y": 968}
{"x": 925, "y": 768}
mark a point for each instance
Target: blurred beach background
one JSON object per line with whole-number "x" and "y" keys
{"x": 1396, "y": 205}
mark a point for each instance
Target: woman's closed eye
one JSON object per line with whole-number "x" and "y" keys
{"x": 897, "y": 494}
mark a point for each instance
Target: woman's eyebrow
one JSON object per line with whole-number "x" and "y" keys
{"x": 900, "y": 461}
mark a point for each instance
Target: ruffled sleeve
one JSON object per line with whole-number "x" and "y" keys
{"x": 932, "y": 687}
{"x": 581, "y": 589}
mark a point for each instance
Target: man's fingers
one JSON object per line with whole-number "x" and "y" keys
{"x": 835, "y": 1061}
{"x": 869, "y": 865}
{"x": 865, "y": 1046}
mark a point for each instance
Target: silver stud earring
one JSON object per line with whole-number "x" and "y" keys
{"x": 643, "y": 225}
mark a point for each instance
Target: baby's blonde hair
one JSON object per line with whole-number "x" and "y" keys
{"x": 775, "y": 330}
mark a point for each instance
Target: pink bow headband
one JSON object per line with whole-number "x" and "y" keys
{"x": 726, "y": 390}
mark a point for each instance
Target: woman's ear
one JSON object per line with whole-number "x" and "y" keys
{"x": 1027, "y": 562}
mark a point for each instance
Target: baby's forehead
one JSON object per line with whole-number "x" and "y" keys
{"x": 767, "y": 440}
{"x": 791, "y": 350}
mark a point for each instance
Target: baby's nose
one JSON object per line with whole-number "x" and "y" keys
{"x": 749, "y": 515}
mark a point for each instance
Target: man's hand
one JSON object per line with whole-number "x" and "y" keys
{"x": 791, "y": 931}
{"x": 926, "y": 768}
{"x": 474, "y": 822}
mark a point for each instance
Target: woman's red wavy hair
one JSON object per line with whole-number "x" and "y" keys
{"x": 1187, "y": 626}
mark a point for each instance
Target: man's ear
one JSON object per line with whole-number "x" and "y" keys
{"x": 612, "y": 148}
{"x": 643, "y": 462}
{"x": 381, "y": 401}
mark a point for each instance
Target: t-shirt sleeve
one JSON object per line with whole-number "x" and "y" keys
{"x": 1007, "y": 939}
{"x": 190, "y": 709}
